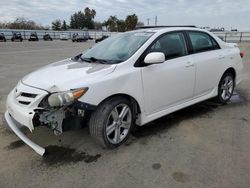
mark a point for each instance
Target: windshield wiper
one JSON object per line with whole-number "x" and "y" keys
{"x": 85, "y": 59}
{"x": 93, "y": 59}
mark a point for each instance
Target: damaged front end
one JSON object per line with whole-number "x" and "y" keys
{"x": 52, "y": 118}
{"x": 31, "y": 107}
{"x": 57, "y": 107}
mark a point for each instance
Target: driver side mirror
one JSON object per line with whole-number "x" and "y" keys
{"x": 154, "y": 58}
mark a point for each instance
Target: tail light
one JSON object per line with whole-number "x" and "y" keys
{"x": 241, "y": 54}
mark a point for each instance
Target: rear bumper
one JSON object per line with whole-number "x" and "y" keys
{"x": 10, "y": 121}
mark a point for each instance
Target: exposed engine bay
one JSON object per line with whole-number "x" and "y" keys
{"x": 62, "y": 118}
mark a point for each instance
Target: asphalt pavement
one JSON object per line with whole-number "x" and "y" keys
{"x": 206, "y": 145}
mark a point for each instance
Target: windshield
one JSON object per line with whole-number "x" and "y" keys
{"x": 117, "y": 48}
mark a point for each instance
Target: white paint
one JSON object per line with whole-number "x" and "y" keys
{"x": 159, "y": 89}
{"x": 22, "y": 136}
{"x": 154, "y": 58}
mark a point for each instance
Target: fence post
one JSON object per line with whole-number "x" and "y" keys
{"x": 225, "y": 37}
{"x": 240, "y": 36}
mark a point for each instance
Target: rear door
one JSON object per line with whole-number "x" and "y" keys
{"x": 171, "y": 82}
{"x": 209, "y": 60}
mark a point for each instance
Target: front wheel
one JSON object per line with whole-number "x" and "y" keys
{"x": 226, "y": 88}
{"x": 111, "y": 123}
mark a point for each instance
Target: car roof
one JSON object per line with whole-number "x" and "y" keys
{"x": 168, "y": 29}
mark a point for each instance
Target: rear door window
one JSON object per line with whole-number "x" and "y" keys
{"x": 202, "y": 42}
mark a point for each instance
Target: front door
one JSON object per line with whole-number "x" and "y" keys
{"x": 172, "y": 82}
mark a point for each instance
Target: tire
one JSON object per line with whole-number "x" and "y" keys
{"x": 12, "y": 39}
{"x": 105, "y": 125}
{"x": 225, "y": 88}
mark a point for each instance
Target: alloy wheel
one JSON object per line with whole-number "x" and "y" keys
{"x": 227, "y": 87}
{"x": 119, "y": 123}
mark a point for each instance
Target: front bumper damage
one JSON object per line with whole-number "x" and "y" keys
{"x": 27, "y": 106}
{"x": 20, "y": 105}
{"x": 38, "y": 149}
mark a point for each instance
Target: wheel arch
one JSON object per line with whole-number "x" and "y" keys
{"x": 133, "y": 101}
{"x": 232, "y": 71}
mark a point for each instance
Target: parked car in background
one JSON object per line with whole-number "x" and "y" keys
{"x": 74, "y": 36}
{"x": 162, "y": 70}
{"x": 16, "y": 36}
{"x": 2, "y": 37}
{"x": 101, "y": 39}
{"x": 33, "y": 37}
{"x": 77, "y": 38}
{"x": 47, "y": 37}
{"x": 234, "y": 30}
{"x": 64, "y": 36}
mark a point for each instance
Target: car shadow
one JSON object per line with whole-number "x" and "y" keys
{"x": 199, "y": 110}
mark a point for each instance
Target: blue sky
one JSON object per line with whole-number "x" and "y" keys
{"x": 213, "y": 13}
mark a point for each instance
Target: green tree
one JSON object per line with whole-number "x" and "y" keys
{"x": 105, "y": 23}
{"x": 121, "y": 26}
{"x": 56, "y": 25}
{"x": 131, "y": 22}
{"x": 112, "y": 23}
{"x": 98, "y": 25}
{"x": 64, "y": 25}
{"x": 89, "y": 15}
{"x": 80, "y": 20}
{"x": 140, "y": 24}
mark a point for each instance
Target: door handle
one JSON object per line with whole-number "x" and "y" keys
{"x": 189, "y": 64}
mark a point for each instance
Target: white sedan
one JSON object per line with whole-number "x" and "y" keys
{"x": 64, "y": 36}
{"x": 127, "y": 80}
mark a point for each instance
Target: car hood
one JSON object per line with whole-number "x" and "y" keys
{"x": 67, "y": 74}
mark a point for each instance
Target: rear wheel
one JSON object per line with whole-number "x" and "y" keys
{"x": 226, "y": 88}
{"x": 112, "y": 122}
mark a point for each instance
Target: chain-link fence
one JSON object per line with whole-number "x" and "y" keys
{"x": 226, "y": 36}
{"x": 54, "y": 34}
{"x": 234, "y": 36}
